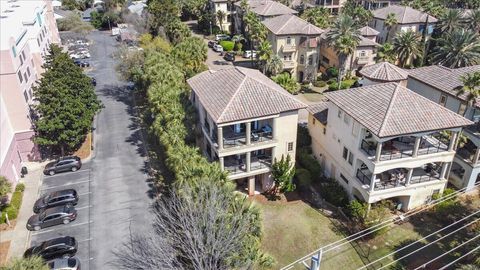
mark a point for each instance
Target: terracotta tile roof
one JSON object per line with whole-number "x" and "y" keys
{"x": 238, "y": 93}
{"x": 384, "y": 72}
{"x": 403, "y": 14}
{"x": 389, "y": 109}
{"x": 443, "y": 78}
{"x": 319, "y": 111}
{"x": 289, "y": 24}
{"x": 365, "y": 42}
{"x": 367, "y": 31}
{"x": 268, "y": 8}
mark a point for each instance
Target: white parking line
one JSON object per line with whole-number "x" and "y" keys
{"x": 85, "y": 240}
{"x": 83, "y": 194}
{"x": 83, "y": 207}
{"x": 80, "y": 178}
{"x": 67, "y": 184}
{"x": 65, "y": 173}
{"x": 51, "y": 230}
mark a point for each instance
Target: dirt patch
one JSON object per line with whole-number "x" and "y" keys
{"x": 4, "y": 247}
{"x": 85, "y": 149}
{"x": 5, "y": 227}
{"x": 288, "y": 198}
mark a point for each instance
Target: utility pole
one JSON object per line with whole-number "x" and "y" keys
{"x": 315, "y": 261}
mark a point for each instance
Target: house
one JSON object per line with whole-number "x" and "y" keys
{"x": 440, "y": 85}
{"x": 227, "y": 8}
{"x": 247, "y": 121}
{"x": 376, "y": 4}
{"x": 297, "y": 43}
{"x": 334, "y": 6}
{"x": 407, "y": 19}
{"x": 137, "y": 7}
{"x": 385, "y": 141}
{"x": 264, "y": 9}
{"x": 383, "y": 72}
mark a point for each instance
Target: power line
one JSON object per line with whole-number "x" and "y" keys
{"x": 453, "y": 249}
{"x": 377, "y": 227}
{"x": 459, "y": 258}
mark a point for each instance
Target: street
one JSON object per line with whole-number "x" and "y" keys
{"x": 114, "y": 187}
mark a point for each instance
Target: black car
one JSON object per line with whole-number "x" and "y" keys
{"x": 81, "y": 63}
{"x": 70, "y": 163}
{"x": 229, "y": 56}
{"x": 94, "y": 82}
{"x": 52, "y": 216}
{"x": 54, "y": 248}
{"x": 211, "y": 43}
{"x": 56, "y": 198}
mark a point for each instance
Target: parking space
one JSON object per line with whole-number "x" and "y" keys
{"x": 80, "y": 228}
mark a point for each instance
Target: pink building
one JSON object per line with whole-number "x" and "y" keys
{"x": 28, "y": 27}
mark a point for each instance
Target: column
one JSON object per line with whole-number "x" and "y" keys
{"x": 222, "y": 163}
{"x": 274, "y": 128}
{"x": 372, "y": 182}
{"x": 477, "y": 155}
{"x": 249, "y": 154}
{"x": 220, "y": 138}
{"x": 210, "y": 126}
{"x": 444, "y": 170}
{"x": 251, "y": 185}
{"x": 248, "y": 133}
{"x": 378, "y": 152}
{"x": 409, "y": 177}
{"x": 416, "y": 146}
{"x": 453, "y": 141}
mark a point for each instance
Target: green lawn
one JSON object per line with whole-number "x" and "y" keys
{"x": 294, "y": 229}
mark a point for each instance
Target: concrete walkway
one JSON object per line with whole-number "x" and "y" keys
{"x": 20, "y": 236}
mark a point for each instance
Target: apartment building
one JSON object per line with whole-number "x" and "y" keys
{"x": 297, "y": 43}
{"x": 28, "y": 28}
{"x": 440, "y": 85}
{"x": 383, "y": 72}
{"x": 334, "y": 6}
{"x": 407, "y": 18}
{"x": 247, "y": 121}
{"x": 227, "y": 8}
{"x": 376, "y": 4}
{"x": 385, "y": 141}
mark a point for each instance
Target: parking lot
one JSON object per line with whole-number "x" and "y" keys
{"x": 81, "y": 227}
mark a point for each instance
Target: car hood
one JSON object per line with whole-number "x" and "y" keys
{"x": 34, "y": 220}
{"x": 39, "y": 203}
{"x": 50, "y": 164}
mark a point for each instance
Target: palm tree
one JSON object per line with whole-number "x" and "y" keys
{"x": 469, "y": 267}
{"x": 470, "y": 87}
{"x": 264, "y": 54}
{"x": 459, "y": 48}
{"x": 386, "y": 53}
{"x": 344, "y": 37}
{"x": 30, "y": 263}
{"x": 255, "y": 29}
{"x": 408, "y": 46}
{"x": 452, "y": 19}
{"x": 237, "y": 39}
{"x": 275, "y": 65}
{"x": 287, "y": 82}
{"x": 473, "y": 20}
{"x": 318, "y": 16}
{"x": 220, "y": 17}
{"x": 390, "y": 21}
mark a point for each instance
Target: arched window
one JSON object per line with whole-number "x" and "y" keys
{"x": 310, "y": 60}
{"x": 302, "y": 59}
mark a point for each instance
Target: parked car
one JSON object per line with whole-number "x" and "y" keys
{"x": 56, "y": 198}
{"x": 94, "y": 82}
{"x": 229, "y": 56}
{"x": 248, "y": 54}
{"x": 72, "y": 263}
{"x": 211, "y": 43}
{"x": 63, "y": 164}
{"x": 218, "y": 48}
{"x": 220, "y": 37}
{"x": 81, "y": 63}
{"x": 52, "y": 216}
{"x": 54, "y": 248}
{"x": 74, "y": 56}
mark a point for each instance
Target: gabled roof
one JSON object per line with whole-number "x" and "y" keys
{"x": 268, "y": 8}
{"x": 238, "y": 93}
{"x": 367, "y": 31}
{"x": 389, "y": 109}
{"x": 444, "y": 79}
{"x": 289, "y": 24}
{"x": 384, "y": 72}
{"x": 403, "y": 14}
{"x": 319, "y": 111}
{"x": 366, "y": 42}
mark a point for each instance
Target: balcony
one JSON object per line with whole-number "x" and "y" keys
{"x": 289, "y": 48}
{"x": 363, "y": 60}
{"x": 248, "y": 162}
{"x": 288, "y": 64}
{"x": 236, "y": 135}
{"x": 468, "y": 152}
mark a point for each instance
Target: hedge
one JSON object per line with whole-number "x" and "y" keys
{"x": 334, "y": 193}
{"x": 14, "y": 206}
{"x": 320, "y": 83}
{"x": 227, "y": 45}
{"x": 303, "y": 178}
{"x": 311, "y": 164}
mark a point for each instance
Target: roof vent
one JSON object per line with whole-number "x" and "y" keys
{"x": 15, "y": 6}
{"x": 8, "y": 10}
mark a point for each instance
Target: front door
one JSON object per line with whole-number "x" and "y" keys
{"x": 300, "y": 76}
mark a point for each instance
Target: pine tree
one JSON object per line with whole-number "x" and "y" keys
{"x": 283, "y": 172}
{"x": 66, "y": 103}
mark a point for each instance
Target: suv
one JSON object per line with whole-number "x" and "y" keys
{"x": 211, "y": 43}
{"x": 56, "y": 198}
{"x": 218, "y": 48}
{"x": 220, "y": 37}
{"x": 63, "y": 164}
{"x": 54, "y": 248}
{"x": 229, "y": 56}
{"x": 52, "y": 216}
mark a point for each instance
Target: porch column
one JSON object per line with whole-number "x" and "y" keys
{"x": 220, "y": 138}
{"x": 477, "y": 155}
{"x": 453, "y": 141}
{"x": 251, "y": 185}
{"x": 416, "y": 146}
{"x": 409, "y": 177}
{"x": 378, "y": 153}
{"x": 372, "y": 182}
{"x": 248, "y": 133}
{"x": 222, "y": 163}
{"x": 274, "y": 128}
{"x": 444, "y": 170}
{"x": 248, "y": 161}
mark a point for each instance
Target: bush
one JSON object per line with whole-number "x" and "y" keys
{"x": 14, "y": 206}
{"x": 348, "y": 83}
{"x": 357, "y": 210}
{"x": 334, "y": 193}
{"x": 320, "y": 83}
{"x": 227, "y": 45}
{"x": 303, "y": 137}
{"x": 333, "y": 86}
{"x": 16, "y": 199}
{"x": 332, "y": 72}
{"x": 332, "y": 80}
{"x": 5, "y": 186}
{"x": 20, "y": 187}
{"x": 303, "y": 178}
{"x": 311, "y": 164}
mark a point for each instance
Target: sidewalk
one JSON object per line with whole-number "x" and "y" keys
{"x": 20, "y": 236}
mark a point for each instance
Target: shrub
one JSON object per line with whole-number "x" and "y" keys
{"x": 332, "y": 72}
{"x": 320, "y": 83}
{"x": 303, "y": 137}
{"x": 303, "y": 178}
{"x": 20, "y": 187}
{"x": 16, "y": 199}
{"x": 347, "y": 83}
{"x": 227, "y": 45}
{"x": 357, "y": 210}
{"x": 334, "y": 193}
{"x": 332, "y": 80}
{"x": 311, "y": 164}
{"x": 333, "y": 86}
{"x": 5, "y": 186}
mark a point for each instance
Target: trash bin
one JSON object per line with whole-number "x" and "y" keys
{"x": 24, "y": 171}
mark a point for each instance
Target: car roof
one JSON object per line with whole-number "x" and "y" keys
{"x": 60, "y": 240}
{"x": 64, "y": 263}
{"x": 69, "y": 157}
{"x": 57, "y": 209}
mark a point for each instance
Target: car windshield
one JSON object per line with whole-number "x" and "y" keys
{"x": 43, "y": 215}
{"x": 46, "y": 198}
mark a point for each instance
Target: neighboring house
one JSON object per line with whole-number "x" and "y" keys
{"x": 27, "y": 29}
{"x": 226, "y": 6}
{"x": 407, "y": 18}
{"x": 440, "y": 85}
{"x": 247, "y": 122}
{"x": 383, "y": 72}
{"x": 62, "y": 14}
{"x": 334, "y": 6}
{"x": 137, "y": 7}
{"x": 264, "y": 9}
{"x": 364, "y": 54}
{"x": 56, "y": 4}
{"x": 376, "y": 4}
{"x": 384, "y": 141}
{"x": 296, "y": 42}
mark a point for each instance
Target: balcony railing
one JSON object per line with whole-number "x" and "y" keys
{"x": 233, "y": 168}
{"x": 369, "y": 148}
{"x": 466, "y": 154}
{"x": 363, "y": 177}
{"x": 288, "y": 48}
{"x": 260, "y": 162}
{"x": 234, "y": 141}
{"x": 424, "y": 178}
{"x": 288, "y": 64}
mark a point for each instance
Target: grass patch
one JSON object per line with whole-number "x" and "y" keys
{"x": 313, "y": 96}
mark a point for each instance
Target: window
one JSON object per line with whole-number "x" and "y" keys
{"x": 21, "y": 60}
{"x": 345, "y": 153}
{"x": 302, "y": 59}
{"x": 325, "y": 60}
{"x": 324, "y": 131}
{"x": 38, "y": 42}
{"x": 25, "y": 95}
{"x": 344, "y": 178}
{"x": 313, "y": 120}
{"x": 20, "y": 76}
{"x": 290, "y": 147}
{"x": 310, "y": 60}
{"x": 462, "y": 109}
{"x": 350, "y": 158}
{"x": 14, "y": 51}
{"x": 289, "y": 40}
{"x": 363, "y": 54}
{"x": 28, "y": 71}
{"x": 339, "y": 113}
{"x": 346, "y": 119}
{"x": 23, "y": 54}
{"x": 443, "y": 100}
{"x": 26, "y": 77}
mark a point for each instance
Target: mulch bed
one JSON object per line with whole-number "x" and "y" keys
{"x": 4, "y": 246}
{"x": 5, "y": 227}
{"x": 85, "y": 149}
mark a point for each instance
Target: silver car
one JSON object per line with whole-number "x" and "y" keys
{"x": 72, "y": 263}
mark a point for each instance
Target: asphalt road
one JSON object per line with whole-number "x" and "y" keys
{"x": 114, "y": 189}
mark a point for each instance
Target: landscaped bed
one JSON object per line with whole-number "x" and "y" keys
{"x": 4, "y": 246}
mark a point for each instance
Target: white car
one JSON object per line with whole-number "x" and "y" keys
{"x": 75, "y": 56}
{"x": 248, "y": 54}
{"x": 220, "y": 37}
{"x": 218, "y": 48}
{"x": 72, "y": 263}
